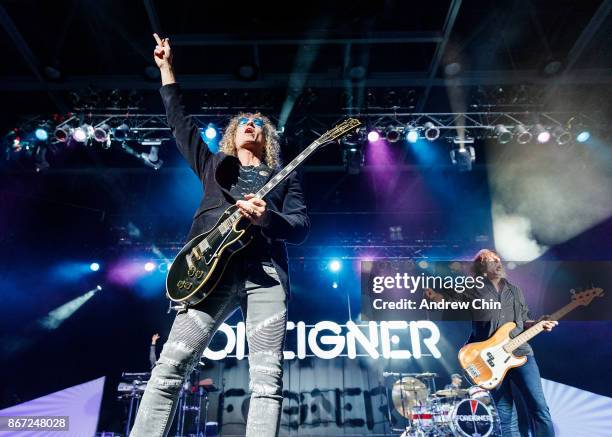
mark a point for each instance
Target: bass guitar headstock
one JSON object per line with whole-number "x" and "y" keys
{"x": 586, "y": 297}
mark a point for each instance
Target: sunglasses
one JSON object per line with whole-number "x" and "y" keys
{"x": 256, "y": 121}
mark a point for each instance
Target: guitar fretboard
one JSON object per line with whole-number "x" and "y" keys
{"x": 528, "y": 334}
{"x": 285, "y": 172}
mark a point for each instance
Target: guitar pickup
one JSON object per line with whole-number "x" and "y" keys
{"x": 471, "y": 369}
{"x": 190, "y": 264}
{"x": 196, "y": 253}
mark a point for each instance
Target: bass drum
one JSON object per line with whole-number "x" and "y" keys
{"x": 480, "y": 394}
{"x": 471, "y": 418}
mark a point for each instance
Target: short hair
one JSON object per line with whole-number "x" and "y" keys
{"x": 271, "y": 152}
{"x": 456, "y": 375}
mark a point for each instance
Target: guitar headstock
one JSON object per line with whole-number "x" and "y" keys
{"x": 586, "y": 297}
{"x": 338, "y": 131}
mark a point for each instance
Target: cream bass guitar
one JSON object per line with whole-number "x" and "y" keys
{"x": 487, "y": 362}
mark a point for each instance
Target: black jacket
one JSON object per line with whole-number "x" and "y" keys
{"x": 289, "y": 221}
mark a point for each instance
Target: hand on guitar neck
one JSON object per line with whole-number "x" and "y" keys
{"x": 547, "y": 325}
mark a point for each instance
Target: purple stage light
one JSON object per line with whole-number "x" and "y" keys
{"x": 373, "y": 136}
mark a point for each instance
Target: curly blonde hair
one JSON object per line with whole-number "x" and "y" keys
{"x": 271, "y": 151}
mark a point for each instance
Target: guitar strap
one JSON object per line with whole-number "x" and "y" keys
{"x": 517, "y": 304}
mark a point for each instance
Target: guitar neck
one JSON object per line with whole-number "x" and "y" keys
{"x": 528, "y": 334}
{"x": 285, "y": 172}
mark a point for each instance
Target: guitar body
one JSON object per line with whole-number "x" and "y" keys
{"x": 199, "y": 266}
{"x": 486, "y": 362}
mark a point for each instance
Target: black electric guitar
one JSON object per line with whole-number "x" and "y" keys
{"x": 198, "y": 267}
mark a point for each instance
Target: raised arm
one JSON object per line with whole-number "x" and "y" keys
{"x": 186, "y": 133}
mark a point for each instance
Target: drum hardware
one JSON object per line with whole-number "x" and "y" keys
{"x": 440, "y": 413}
{"x": 193, "y": 399}
{"x": 131, "y": 389}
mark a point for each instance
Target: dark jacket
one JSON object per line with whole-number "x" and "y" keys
{"x": 289, "y": 221}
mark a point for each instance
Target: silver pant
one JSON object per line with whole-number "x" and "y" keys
{"x": 263, "y": 303}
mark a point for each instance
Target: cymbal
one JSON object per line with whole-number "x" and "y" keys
{"x": 407, "y": 393}
{"x": 452, "y": 393}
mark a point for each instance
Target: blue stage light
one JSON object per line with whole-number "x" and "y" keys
{"x": 583, "y": 136}
{"x": 41, "y": 134}
{"x": 335, "y": 265}
{"x": 412, "y": 136}
{"x": 94, "y": 267}
{"x": 149, "y": 266}
{"x": 210, "y": 132}
{"x": 335, "y": 284}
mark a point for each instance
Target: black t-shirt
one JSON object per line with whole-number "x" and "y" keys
{"x": 250, "y": 179}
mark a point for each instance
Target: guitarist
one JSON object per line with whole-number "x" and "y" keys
{"x": 525, "y": 378}
{"x": 257, "y": 277}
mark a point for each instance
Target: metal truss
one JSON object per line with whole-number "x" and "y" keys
{"x": 479, "y": 124}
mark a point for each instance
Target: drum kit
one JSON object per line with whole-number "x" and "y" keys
{"x": 440, "y": 413}
{"x": 192, "y": 402}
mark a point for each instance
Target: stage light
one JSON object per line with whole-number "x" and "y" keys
{"x": 373, "y": 136}
{"x": 101, "y": 133}
{"x": 353, "y": 159}
{"x": 561, "y": 135}
{"x": 335, "y": 265}
{"x": 423, "y": 264}
{"x": 82, "y": 133}
{"x": 41, "y": 134}
{"x": 504, "y": 135}
{"x": 334, "y": 284}
{"x": 392, "y": 134}
{"x": 149, "y": 266}
{"x": 452, "y": 68}
{"x": 412, "y": 136}
{"x": 432, "y": 132}
{"x": 583, "y": 136}
{"x": 62, "y": 133}
{"x": 247, "y": 71}
{"x": 152, "y": 158}
{"x": 357, "y": 73}
{"x": 57, "y": 316}
{"x": 94, "y": 267}
{"x": 523, "y": 136}
{"x": 122, "y": 131}
{"x": 40, "y": 158}
{"x": 542, "y": 135}
{"x": 210, "y": 132}
{"x": 463, "y": 157}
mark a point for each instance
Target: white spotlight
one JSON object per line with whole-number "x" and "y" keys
{"x": 542, "y": 135}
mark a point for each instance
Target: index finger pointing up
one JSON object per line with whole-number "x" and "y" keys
{"x": 159, "y": 41}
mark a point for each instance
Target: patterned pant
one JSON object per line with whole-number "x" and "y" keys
{"x": 263, "y": 302}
